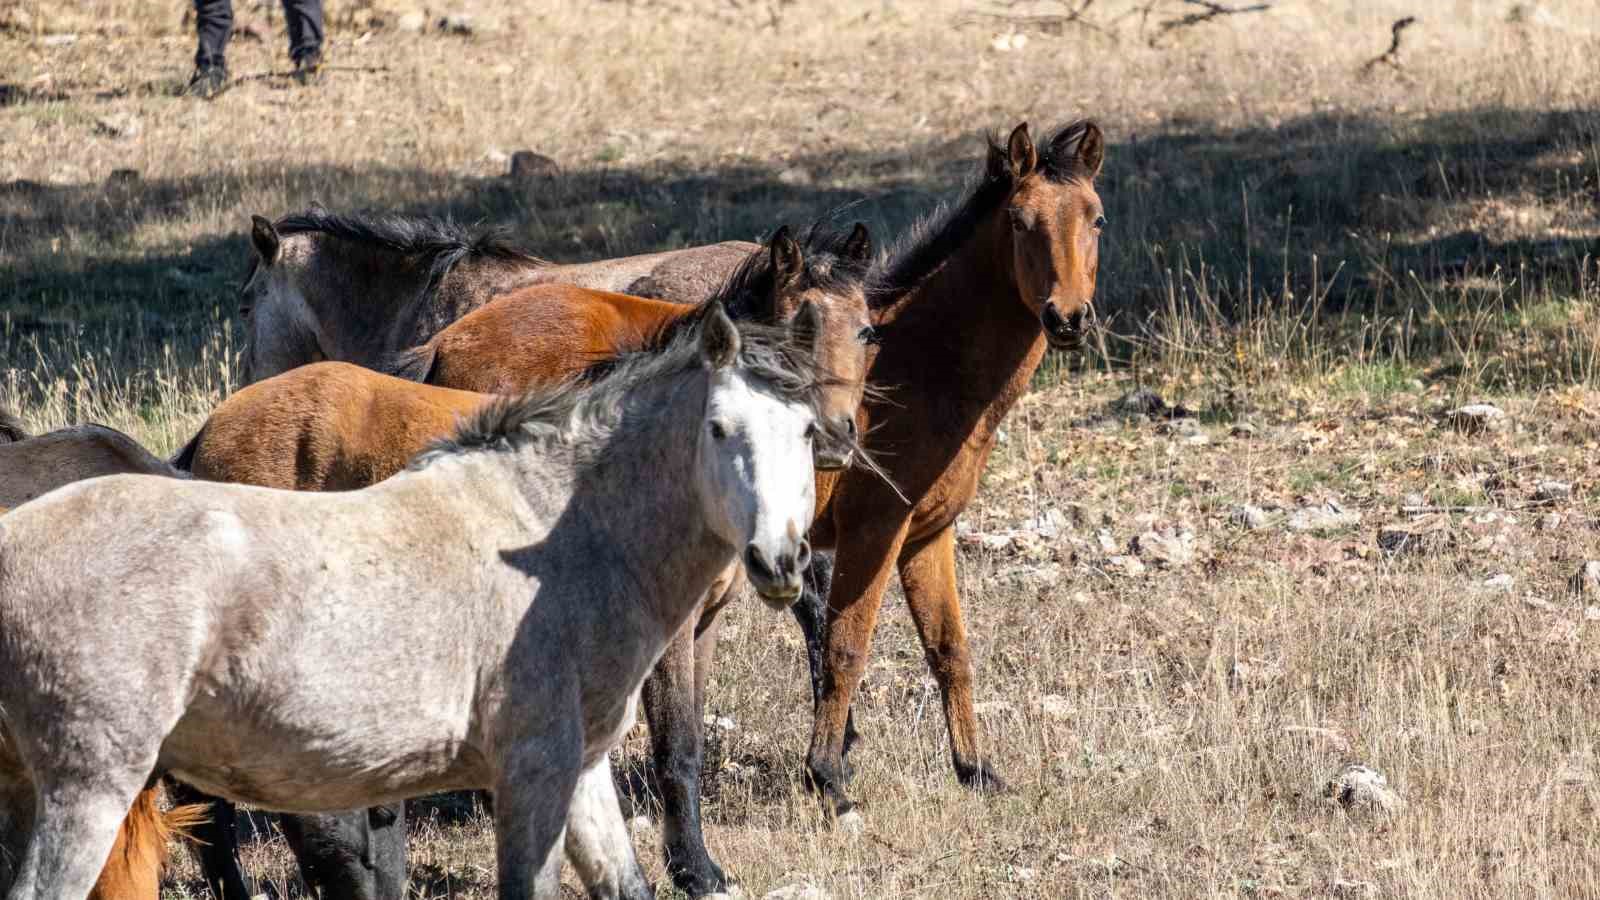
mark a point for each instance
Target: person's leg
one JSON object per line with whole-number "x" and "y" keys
{"x": 305, "y": 29}
{"x": 214, "y": 22}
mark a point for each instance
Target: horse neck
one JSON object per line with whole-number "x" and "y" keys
{"x": 962, "y": 336}
{"x": 639, "y": 500}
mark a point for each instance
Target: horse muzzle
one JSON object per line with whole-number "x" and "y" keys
{"x": 832, "y": 459}
{"x": 1062, "y": 332}
{"x": 779, "y": 580}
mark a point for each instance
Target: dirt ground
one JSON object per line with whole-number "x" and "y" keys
{"x": 1190, "y": 607}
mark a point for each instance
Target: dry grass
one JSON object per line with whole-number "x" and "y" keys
{"x": 1329, "y": 255}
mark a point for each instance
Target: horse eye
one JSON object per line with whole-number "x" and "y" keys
{"x": 868, "y": 335}
{"x": 812, "y": 431}
{"x": 718, "y": 431}
{"x": 1099, "y": 222}
{"x": 1017, "y": 224}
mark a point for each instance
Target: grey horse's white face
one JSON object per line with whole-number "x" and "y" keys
{"x": 757, "y": 479}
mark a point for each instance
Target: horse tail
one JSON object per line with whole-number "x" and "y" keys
{"x": 415, "y": 364}
{"x": 11, "y": 429}
{"x": 133, "y": 871}
{"x": 184, "y": 461}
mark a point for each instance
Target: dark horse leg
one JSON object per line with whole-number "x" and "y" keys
{"x": 357, "y": 854}
{"x": 217, "y": 841}
{"x": 672, "y": 707}
{"x": 811, "y": 611}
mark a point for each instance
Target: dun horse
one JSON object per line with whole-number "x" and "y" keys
{"x": 332, "y": 426}
{"x": 416, "y": 276}
{"x": 239, "y": 638}
{"x": 30, "y": 467}
{"x": 1011, "y": 270}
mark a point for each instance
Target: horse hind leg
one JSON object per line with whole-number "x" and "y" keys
{"x": 597, "y": 840}
{"x": 75, "y": 825}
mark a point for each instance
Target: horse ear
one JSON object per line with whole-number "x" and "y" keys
{"x": 1022, "y": 155}
{"x": 1090, "y": 151}
{"x": 805, "y": 327}
{"x": 786, "y": 258}
{"x": 265, "y": 239}
{"x": 859, "y": 246}
{"x": 719, "y": 339}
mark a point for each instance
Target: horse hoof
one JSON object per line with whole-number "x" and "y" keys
{"x": 982, "y": 779}
{"x": 850, "y": 823}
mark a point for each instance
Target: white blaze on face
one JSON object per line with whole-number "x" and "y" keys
{"x": 758, "y": 451}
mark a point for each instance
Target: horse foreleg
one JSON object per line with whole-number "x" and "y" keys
{"x": 677, "y": 742}
{"x": 597, "y": 839}
{"x": 532, "y": 795}
{"x": 216, "y": 840}
{"x": 928, "y": 574}
{"x": 811, "y": 611}
{"x": 862, "y": 566}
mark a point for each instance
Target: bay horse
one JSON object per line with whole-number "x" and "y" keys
{"x": 334, "y": 426}
{"x": 965, "y": 306}
{"x": 239, "y": 638}
{"x": 413, "y": 276}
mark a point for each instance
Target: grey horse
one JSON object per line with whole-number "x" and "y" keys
{"x": 533, "y": 569}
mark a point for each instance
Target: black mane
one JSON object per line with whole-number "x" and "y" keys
{"x": 934, "y": 238}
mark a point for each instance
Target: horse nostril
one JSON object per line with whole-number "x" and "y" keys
{"x": 803, "y": 558}
{"x": 756, "y": 563}
{"x": 849, "y": 425}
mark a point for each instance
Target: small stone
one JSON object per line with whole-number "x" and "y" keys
{"x": 1358, "y": 786}
{"x": 527, "y": 164}
{"x": 1414, "y": 499}
{"x": 1330, "y": 516}
{"x": 1252, "y": 518}
{"x": 119, "y": 126}
{"x": 59, "y": 40}
{"x": 1023, "y": 873}
{"x": 1418, "y": 538}
{"x": 1242, "y": 430}
{"x": 1055, "y": 706}
{"x": 1476, "y": 418}
{"x": 414, "y": 22}
{"x": 1125, "y": 565}
{"x": 794, "y": 175}
{"x": 1539, "y": 604}
{"x": 1108, "y": 543}
{"x": 1587, "y": 578}
{"x": 801, "y": 891}
{"x": 1550, "y": 522}
{"x": 1343, "y": 888}
{"x": 1170, "y": 548}
{"x": 1551, "y": 491}
{"x": 1501, "y": 582}
{"x": 1140, "y": 402}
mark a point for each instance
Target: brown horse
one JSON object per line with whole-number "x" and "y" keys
{"x": 414, "y": 276}
{"x": 29, "y": 467}
{"x": 559, "y": 331}
{"x": 966, "y": 306}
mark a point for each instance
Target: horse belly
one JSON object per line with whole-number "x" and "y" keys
{"x": 301, "y": 760}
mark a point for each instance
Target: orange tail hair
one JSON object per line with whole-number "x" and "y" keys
{"x": 133, "y": 871}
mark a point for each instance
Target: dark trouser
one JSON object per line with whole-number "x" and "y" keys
{"x": 215, "y": 20}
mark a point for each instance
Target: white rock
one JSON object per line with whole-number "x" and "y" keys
{"x": 1055, "y": 706}
{"x": 1550, "y": 491}
{"x": 1172, "y": 548}
{"x": 1356, "y": 785}
{"x": 1475, "y": 418}
{"x": 1330, "y": 516}
{"x": 851, "y": 823}
{"x": 1501, "y": 582}
{"x": 1125, "y": 565}
{"x": 639, "y": 826}
{"x": 1249, "y": 517}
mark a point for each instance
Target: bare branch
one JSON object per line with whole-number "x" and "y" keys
{"x": 1208, "y": 11}
{"x": 1391, "y": 56}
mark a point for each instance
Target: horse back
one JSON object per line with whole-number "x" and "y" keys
{"x": 543, "y": 334}
{"x": 325, "y": 427}
{"x": 40, "y": 464}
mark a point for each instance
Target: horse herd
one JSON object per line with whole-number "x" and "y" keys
{"x": 473, "y": 505}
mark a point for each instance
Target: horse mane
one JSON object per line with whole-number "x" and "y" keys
{"x": 935, "y": 237}
{"x": 586, "y": 414}
{"x": 441, "y": 242}
{"x": 11, "y": 428}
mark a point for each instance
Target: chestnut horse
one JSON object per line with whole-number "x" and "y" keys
{"x": 334, "y": 426}
{"x": 410, "y": 277}
{"x": 965, "y": 307}
{"x": 29, "y": 467}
